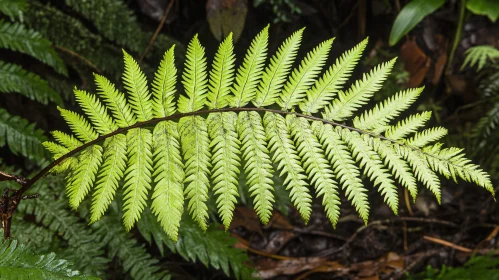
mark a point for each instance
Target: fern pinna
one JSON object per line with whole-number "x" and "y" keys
{"x": 249, "y": 120}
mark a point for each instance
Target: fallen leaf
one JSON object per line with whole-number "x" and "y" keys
{"x": 416, "y": 62}
{"x": 225, "y": 16}
{"x": 278, "y": 221}
{"x": 246, "y": 218}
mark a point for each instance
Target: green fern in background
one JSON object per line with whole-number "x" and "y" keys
{"x": 21, "y": 137}
{"x": 18, "y": 263}
{"x": 484, "y": 135}
{"x": 330, "y": 152}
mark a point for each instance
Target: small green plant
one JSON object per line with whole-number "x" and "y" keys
{"x": 416, "y": 10}
{"x": 484, "y": 134}
{"x": 258, "y": 115}
{"x": 476, "y": 268}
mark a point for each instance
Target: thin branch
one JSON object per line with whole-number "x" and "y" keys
{"x": 80, "y": 57}
{"x": 448, "y": 244}
{"x": 156, "y": 33}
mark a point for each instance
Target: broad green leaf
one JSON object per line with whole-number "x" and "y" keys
{"x": 412, "y": 14}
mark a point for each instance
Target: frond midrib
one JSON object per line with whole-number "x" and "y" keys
{"x": 221, "y": 110}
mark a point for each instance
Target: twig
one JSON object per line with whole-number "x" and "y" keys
{"x": 80, "y": 57}
{"x": 448, "y": 244}
{"x": 156, "y": 33}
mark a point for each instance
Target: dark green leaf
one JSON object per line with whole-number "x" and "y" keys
{"x": 412, "y": 14}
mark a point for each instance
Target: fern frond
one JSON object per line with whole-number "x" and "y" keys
{"x": 16, "y": 37}
{"x": 426, "y": 136}
{"x": 168, "y": 198}
{"x": 451, "y": 162}
{"x": 79, "y": 125}
{"x": 22, "y": 137}
{"x": 373, "y": 167}
{"x": 193, "y": 78}
{"x": 286, "y": 158}
{"x": 15, "y": 79}
{"x": 303, "y": 76}
{"x": 359, "y": 93}
{"x": 407, "y": 126}
{"x": 398, "y": 166}
{"x": 16, "y": 262}
{"x": 206, "y": 148}
{"x": 111, "y": 172}
{"x": 257, "y": 166}
{"x": 329, "y": 84}
{"x": 275, "y": 74}
{"x": 96, "y": 112}
{"x": 68, "y": 141}
{"x": 163, "y": 86}
{"x": 343, "y": 164}
{"x": 377, "y": 119}
{"x": 82, "y": 177}
{"x": 137, "y": 175}
{"x": 488, "y": 123}
{"x": 226, "y": 160}
{"x": 55, "y": 149}
{"x": 221, "y": 75}
{"x": 115, "y": 101}
{"x": 134, "y": 258}
{"x": 195, "y": 147}
{"x": 136, "y": 85}
{"x": 421, "y": 169}
{"x": 250, "y": 71}
{"x": 478, "y": 55}
{"x": 316, "y": 166}
{"x": 13, "y": 8}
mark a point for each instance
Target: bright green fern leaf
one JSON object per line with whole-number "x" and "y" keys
{"x": 168, "y": 195}
{"x": 171, "y": 155}
{"x": 288, "y": 162}
{"x": 163, "y": 85}
{"x": 136, "y": 84}
{"x": 222, "y": 75}
{"x": 304, "y": 76}
{"x": 115, "y": 101}
{"x": 250, "y": 71}
{"x": 82, "y": 177}
{"x": 193, "y": 78}
{"x": 258, "y": 166}
{"x": 343, "y": 165}
{"x": 317, "y": 167}
{"x": 275, "y": 74}
{"x": 226, "y": 152}
{"x": 329, "y": 84}
{"x": 112, "y": 170}
{"x": 348, "y": 102}
{"x": 137, "y": 175}
{"x": 195, "y": 146}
